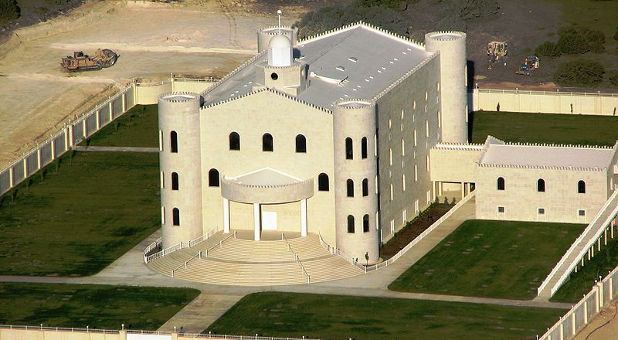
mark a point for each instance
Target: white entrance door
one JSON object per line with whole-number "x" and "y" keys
{"x": 269, "y": 220}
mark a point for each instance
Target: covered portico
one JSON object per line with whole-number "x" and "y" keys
{"x": 265, "y": 186}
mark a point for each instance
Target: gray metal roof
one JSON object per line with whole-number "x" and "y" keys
{"x": 354, "y": 62}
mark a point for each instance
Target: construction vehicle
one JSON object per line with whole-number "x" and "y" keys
{"x": 530, "y": 64}
{"x": 82, "y": 62}
{"x": 497, "y": 52}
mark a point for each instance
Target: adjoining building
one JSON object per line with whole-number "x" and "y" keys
{"x": 346, "y": 135}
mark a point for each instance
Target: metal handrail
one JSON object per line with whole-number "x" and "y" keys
{"x": 296, "y": 258}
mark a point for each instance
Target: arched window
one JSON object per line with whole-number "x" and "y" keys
{"x": 349, "y": 153}
{"x": 267, "y": 142}
{"x": 174, "y": 141}
{"x": 500, "y": 183}
{"x": 323, "y": 182}
{"x": 365, "y": 187}
{"x": 540, "y": 185}
{"x": 581, "y": 187}
{"x": 234, "y": 141}
{"x": 301, "y": 143}
{"x": 213, "y": 178}
{"x": 175, "y": 216}
{"x": 350, "y": 188}
{"x": 364, "y": 148}
{"x": 174, "y": 181}
{"x": 366, "y": 223}
{"x": 350, "y": 224}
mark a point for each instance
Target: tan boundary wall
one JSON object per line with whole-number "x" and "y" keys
{"x": 587, "y": 103}
{"x": 51, "y": 333}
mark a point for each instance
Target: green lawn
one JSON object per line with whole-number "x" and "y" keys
{"x": 82, "y": 216}
{"x": 581, "y": 283}
{"x": 137, "y": 127}
{"x": 96, "y": 306}
{"x": 343, "y": 317}
{"x": 490, "y": 259}
{"x": 544, "y": 128}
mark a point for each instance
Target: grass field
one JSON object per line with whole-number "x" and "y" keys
{"x": 544, "y": 128}
{"x": 490, "y": 259}
{"x": 359, "y": 318}
{"x": 97, "y": 306}
{"x": 82, "y": 216}
{"x": 137, "y": 127}
{"x": 581, "y": 282}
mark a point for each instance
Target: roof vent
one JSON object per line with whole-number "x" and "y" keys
{"x": 340, "y": 68}
{"x": 353, "y": 59}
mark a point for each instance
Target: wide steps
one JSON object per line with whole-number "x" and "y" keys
{"x": 244, "y": 262}
{"x": 244, "y": 274}
{"x": 330, "y": 268}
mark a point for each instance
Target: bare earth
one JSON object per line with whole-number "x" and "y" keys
{"x": 201, "y": 38}
{"x": 603, "y": 326}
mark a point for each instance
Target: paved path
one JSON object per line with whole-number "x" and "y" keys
{"x": 215, "y": 299}
{"x": 201, "y": 312}
{"x": 114, "y": 149}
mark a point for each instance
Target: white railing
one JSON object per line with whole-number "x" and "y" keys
{"x": 181, "y": 245}
{"x": 150, "y": 247}
{"x": 297, "y": 257}
{"x": 560, "y": 93}
{"x": 602, "y": 293}
{"x": 409, "y": 246}
{"x": 127, "y": 331}
{"x": 574, "y": 245}
{"x": 220, "y": 244}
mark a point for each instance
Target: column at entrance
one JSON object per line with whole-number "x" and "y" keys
{"x": 303, "y": 217}
{"x": 257, "y": 221}
{"x": 226, "y": 216}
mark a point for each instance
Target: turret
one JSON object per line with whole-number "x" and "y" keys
{"x": 453, "y": 73}
{"x": 356, "y": 207}
{"x": 179, "y": 157}
{"x": 266, "y": 34}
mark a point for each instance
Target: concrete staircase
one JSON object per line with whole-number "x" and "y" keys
{"x": 246, "y": 262}
{"x": 579, "y": 248}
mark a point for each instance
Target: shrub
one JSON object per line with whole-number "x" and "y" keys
{"x": 581, "y": 72}
{"x": 548, "y": 49}
{"x": 579, "y": 41}
{"x": 613, "y": 78}
{"x": 9, "y": 10}
{"x": 595, "y": 40}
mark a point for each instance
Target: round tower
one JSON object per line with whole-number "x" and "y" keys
{"x": 264, "y": 35}
{"x": 179, "y": 158}
{"x": 356, "y": 200}
{"x": 453, "y": 73}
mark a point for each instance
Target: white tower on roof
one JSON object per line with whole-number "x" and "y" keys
{"x": 453, "y": 73}
{"x": 280, "y": 52}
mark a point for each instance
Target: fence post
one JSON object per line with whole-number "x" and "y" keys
{"x": 111, "y": 106}
{"x": 611, "y": 288}
{"x": 71, "y": 136}
{"x": 98, "y": 119}
{"x": 605, "y": 238}
{"x": 600, "y": 296}
{"x": 25, "y": 167}
{"x": 38, "y": 157}
{"x": 561, "y": 329}
{"x": 52, "y": 144}
{"x": 585, "y": 311}
{"x": 124, "y": 101}
{"x": 11, "y": 177}
{"x": 573, "y": 331}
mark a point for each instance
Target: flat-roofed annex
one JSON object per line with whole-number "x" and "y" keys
{"x": 530, "y": 155}
{"x": 354, "y": 62}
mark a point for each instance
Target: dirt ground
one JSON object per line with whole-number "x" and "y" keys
{"x": 603, "y": 327}
{"x": 201, "y": 38}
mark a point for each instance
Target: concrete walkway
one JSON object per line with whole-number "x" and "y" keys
{"x": 130, "y": 269}
{"x": 114, "y": 149}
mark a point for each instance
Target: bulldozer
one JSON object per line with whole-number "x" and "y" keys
{"x": 82, "y": 62}
{"x": 496, "y": 53}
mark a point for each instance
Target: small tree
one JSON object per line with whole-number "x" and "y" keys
{"x": 9, "y": 10}
{"x": 581, "y": 72}
{"x": 548, "y": 49}
{"x": 613, "y": 78}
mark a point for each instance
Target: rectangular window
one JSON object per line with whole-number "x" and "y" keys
{"x": 392, "y": 226}
{"x": 581, "y": 212}
{"x": 426, "y": 128}
{"x": 404, "y": 215}
{"x": 415, "y": 173}
{"x": 403, "y": 182}
{"x": 428, "y": 196}
{"x": 541, "y": 211}
{"x": 415, "y": 137}
{"x": 391, "y": 191}
{"x": 501, "y": 210}
{"x": 416, "y": 207}
{"x": 427, "y": 163}
{"x": 162, "y": 215}
{"x": 162, "y": 177}
{"x": 160, "y": 140}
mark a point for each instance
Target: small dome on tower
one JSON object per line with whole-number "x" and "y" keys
{"x": 280, "y": 52}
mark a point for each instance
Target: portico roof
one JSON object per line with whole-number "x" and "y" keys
{"x": 266, "y": 185}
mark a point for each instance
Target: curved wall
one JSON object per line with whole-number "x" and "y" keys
{"x": 179, "y": 112}
{"x": 356, "y": 119}
{"x": 452, "y": 48}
